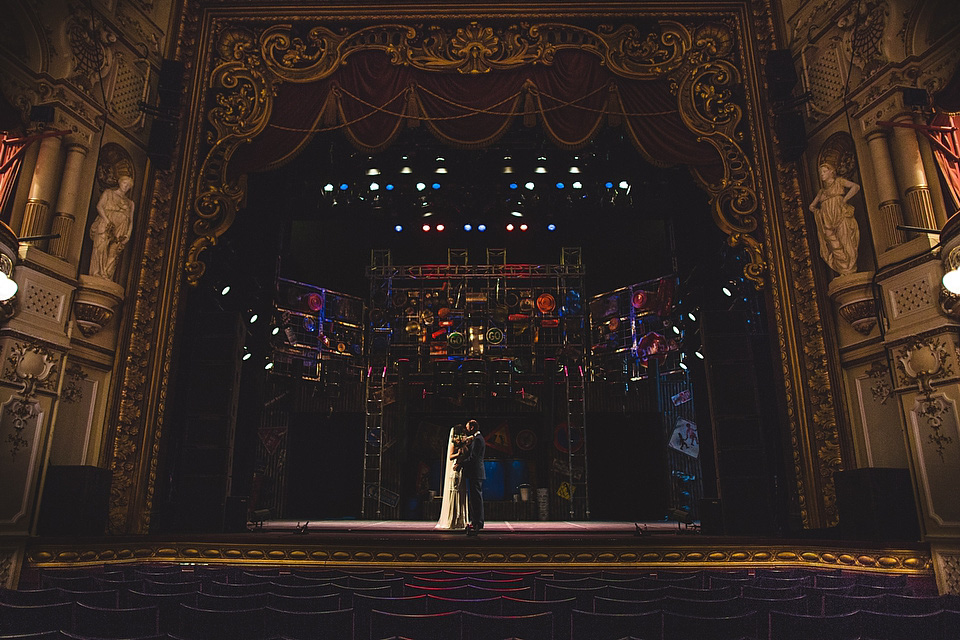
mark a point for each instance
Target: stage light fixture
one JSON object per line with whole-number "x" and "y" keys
{"x": 374, "y": 186}
{"x": 398, "y": 228}
{"x": 726, "y": 291}
{"x": 426, "y": 214}
{"x": 389, "y": 187}
{"x": 551, "y": 227}
{"x": 425, "y": 227}
{"x": 441, "y": 159}
{"x": 683, "y": 365}
{"x": 275, "y": 331}
{"x": 344, "y": 186}
{"x": 577, "y": 185}
{"x": 514, "y": 185}
{"x": 440, "y": 170}
{"x": 510, "y": 227}
{"x": 699, "y": 354}
{"x": 540, "y": 170}
{"x": 523, "y": 227}
{"x": 406, "y": 170}
{"x": 530, "y": 186}
{"x": 328, "y": 188}
{"x": 253, "y": 318}
{"x": 692, "y": 316}
{"x": 421, "y": 186}
{"x": 373, "y": 171}
{"x": 507, "y": 169}
{"x": 574, "y": 169}
{"x": 225, "y": 290}
{"x": 560, "y": 185}
{"x": 951, "y": 281}
{"x": 247, "y": 356}
{"x": 435, "y": 185}
{"x": 268, "y": 366}
{"x": 608, "y": 185}
{"x": 516, "y": 214}
{"x": 624, "y": 184}
{"x": 481, "y": 227}
{"x": 676, "y": 329}
{"x": 441, "y": 227}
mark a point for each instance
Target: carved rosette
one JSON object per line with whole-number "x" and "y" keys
{"x": 95, "y": 304}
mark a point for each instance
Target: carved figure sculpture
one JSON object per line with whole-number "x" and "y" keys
{"x": 836, "y": 226}
{"x": 111, "y": 229}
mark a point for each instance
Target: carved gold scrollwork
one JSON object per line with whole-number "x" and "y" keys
{"x": 694, "y": 58}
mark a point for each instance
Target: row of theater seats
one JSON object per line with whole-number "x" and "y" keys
{"x": 208, "y": 602}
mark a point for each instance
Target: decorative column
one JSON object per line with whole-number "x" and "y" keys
{"x": 67, "y": 201}
{"x": 886, "y": 234}
{"x": 45, "y": 176}
{"x": 930, "y": 169}
{"x": 911, "y": 176}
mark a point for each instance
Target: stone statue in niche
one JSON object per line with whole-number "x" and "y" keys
{"x": 836, "y": 226}
{"x": 111, "y": 229}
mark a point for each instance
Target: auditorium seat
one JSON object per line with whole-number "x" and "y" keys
{"x": 100, "y": 622}
{"x": 583, "y": 595}
{"x": 33, "y": 618}
{"x": 763, "y": 607}
{"x": 629, "y": 593}
{"x": 218, "y": 588}
{"x": 678, "y": 626}
{"x": 84, "y": 582}
{"x": 51, "y": 595}
{"x": 693, "y": 579}
{"x": 815, "y": 596}
{"x": 477, "y": 626}
{"x": 837, "y": 603}
{"x": 177, "y": 586}
{"x": 562, "y": 611}
{"x": 612, "y": 605}
{"x": 209, "y": 624}
{"x": 587, "y": 625}
{"x": 689, "y": 593}
{"x": 769, "y": 593}
{"x": 329, "y": 602}
{"x": 347, "y": 593}
{"x": 718, "y": 581}
{"x": 302, "y": 590}
{"x": 833, "y": 581}
{"x": 897, "y": 626}
{"x": 486, "y": 606}
{"x": 167, "y": 604}
{"x": 108, "y": 599}
{"x": 363, "y": 604}
{"x": 794, "y": 626}
{"x": 310, "y": 625}
{"x": 707, "y": 608}
{"x": 885, "y": 580}
{"x": 895, "y": 603}
{"x": 775, "y": 582}
{"x": 415, "y": 626}
{"x": 230, "y": 603}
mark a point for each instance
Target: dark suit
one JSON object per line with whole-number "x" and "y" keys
{"x": 473, "y": 471}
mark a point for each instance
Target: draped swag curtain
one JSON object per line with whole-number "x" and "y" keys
{"x": 946, "y": 135}
{"x": 371, "y": 99}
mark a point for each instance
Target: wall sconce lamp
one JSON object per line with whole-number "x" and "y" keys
{"x": 9, "y": 253}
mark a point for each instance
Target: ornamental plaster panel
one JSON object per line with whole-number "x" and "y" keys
{"x": 910, "y": 300}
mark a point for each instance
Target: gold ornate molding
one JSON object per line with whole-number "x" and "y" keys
{"x": 698, "y": 555}
{"x": 698, "y": 60}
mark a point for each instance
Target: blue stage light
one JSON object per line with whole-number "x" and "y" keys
{"x": 551, "y": 227}
{"x": 481, "y": 227}
{"x": 398, "y": 228}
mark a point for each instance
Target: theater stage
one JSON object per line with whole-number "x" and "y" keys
{"x": 659, "y": 545}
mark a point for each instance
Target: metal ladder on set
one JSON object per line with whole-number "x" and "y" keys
{"x": 376, "y": 384}
{"x": 574, "y": 378}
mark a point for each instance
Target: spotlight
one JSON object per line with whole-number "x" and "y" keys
{"x": 327, "y": 188}
{"x": 225, "y": 290}
{"x": 247, "y": 356}
{"x": 389, "y": 187}
{"x": 698, "y": 354}
{"x": 398, "y": 228}
{"x": 726, "y": 291}
{"x": 514, "y": 185}
{"x": 574, "y": 169}
{"x": 344, "y": 186}
{"x": 275, "y": 331}
{"x": 551, "y": 227}
{"x": 440, "y": 170}
{"x": 507, "y": 169}
{"x": 516, "y": 214}
{"x": 608, "y": 185}
{"x": 468, "y": 227}
{"x": 692, "y": 316}
{"x": 268, "y": 366}
{"x": 426, "y": 227}
{"x": 441, "y": 159}
{"x": 540, "y": 170}
{"x": 481, "y": 227}
{"x": 373, "y": 171}
{"x": 523, "y": 227}
{"x": 374, "y": 186}
{"x": 676, "y": 329}
{"x": 683, "y": 365}
{"x": 253, "y": 318}
{"x": 530, "y": 186}
{"x": 510, "y": 227}
{"x": 406, "y": 170}
{"x": 421, "y": 186}
{"x": 624, "y": 184}
{"x": 560, "y": 185}
{"x": 577, "y": 185}
{"x": 440, "y": 227}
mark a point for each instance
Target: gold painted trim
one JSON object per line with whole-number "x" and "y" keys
{"x": 401, "y": 554}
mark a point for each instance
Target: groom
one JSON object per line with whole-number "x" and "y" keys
{"x": 472, "y": 466}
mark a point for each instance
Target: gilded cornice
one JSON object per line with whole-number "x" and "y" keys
{"x": 399, "y": 554}
{"x": 251, "y": 59}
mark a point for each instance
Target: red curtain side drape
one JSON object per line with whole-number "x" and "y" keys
{"x": 370, "y": 99}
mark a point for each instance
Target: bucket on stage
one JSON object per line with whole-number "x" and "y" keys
{"x": 518, "y": 473}
{"x": 493, "y": 486}
{"x": 524, "y": 490}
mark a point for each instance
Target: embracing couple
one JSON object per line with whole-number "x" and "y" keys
{"x": 462, "y": 505}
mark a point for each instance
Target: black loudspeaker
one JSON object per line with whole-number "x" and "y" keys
{"x": 876, "y": 504}
{"x": 781, "y": 74}
{"x": 711, "y": 517}
{"x": 163, "y": 131}
{"x": 235, "y": 514}
{"x": 75, "y": 501}
{"x": 42, "y": 113}
{"x": 913, "y": 97}
{"x": 792, "y": 134}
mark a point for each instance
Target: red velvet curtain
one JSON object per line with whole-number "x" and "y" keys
{"x": 370, "y": 99}
{"x": 946, "y": 148}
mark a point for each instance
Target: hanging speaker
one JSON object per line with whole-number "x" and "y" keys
{"x": 781, "y": 74}
{"x": 792, "y": 134}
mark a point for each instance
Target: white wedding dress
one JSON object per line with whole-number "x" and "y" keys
{"x": 453, "y": 508}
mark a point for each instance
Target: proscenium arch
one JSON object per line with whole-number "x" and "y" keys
{"x": 697, "y": 60}
{"x": 229, "y": 105}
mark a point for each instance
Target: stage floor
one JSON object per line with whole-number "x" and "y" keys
{"x": 490, "y": 528}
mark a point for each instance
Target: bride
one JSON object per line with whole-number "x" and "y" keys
{"x": 453, "y": 508}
